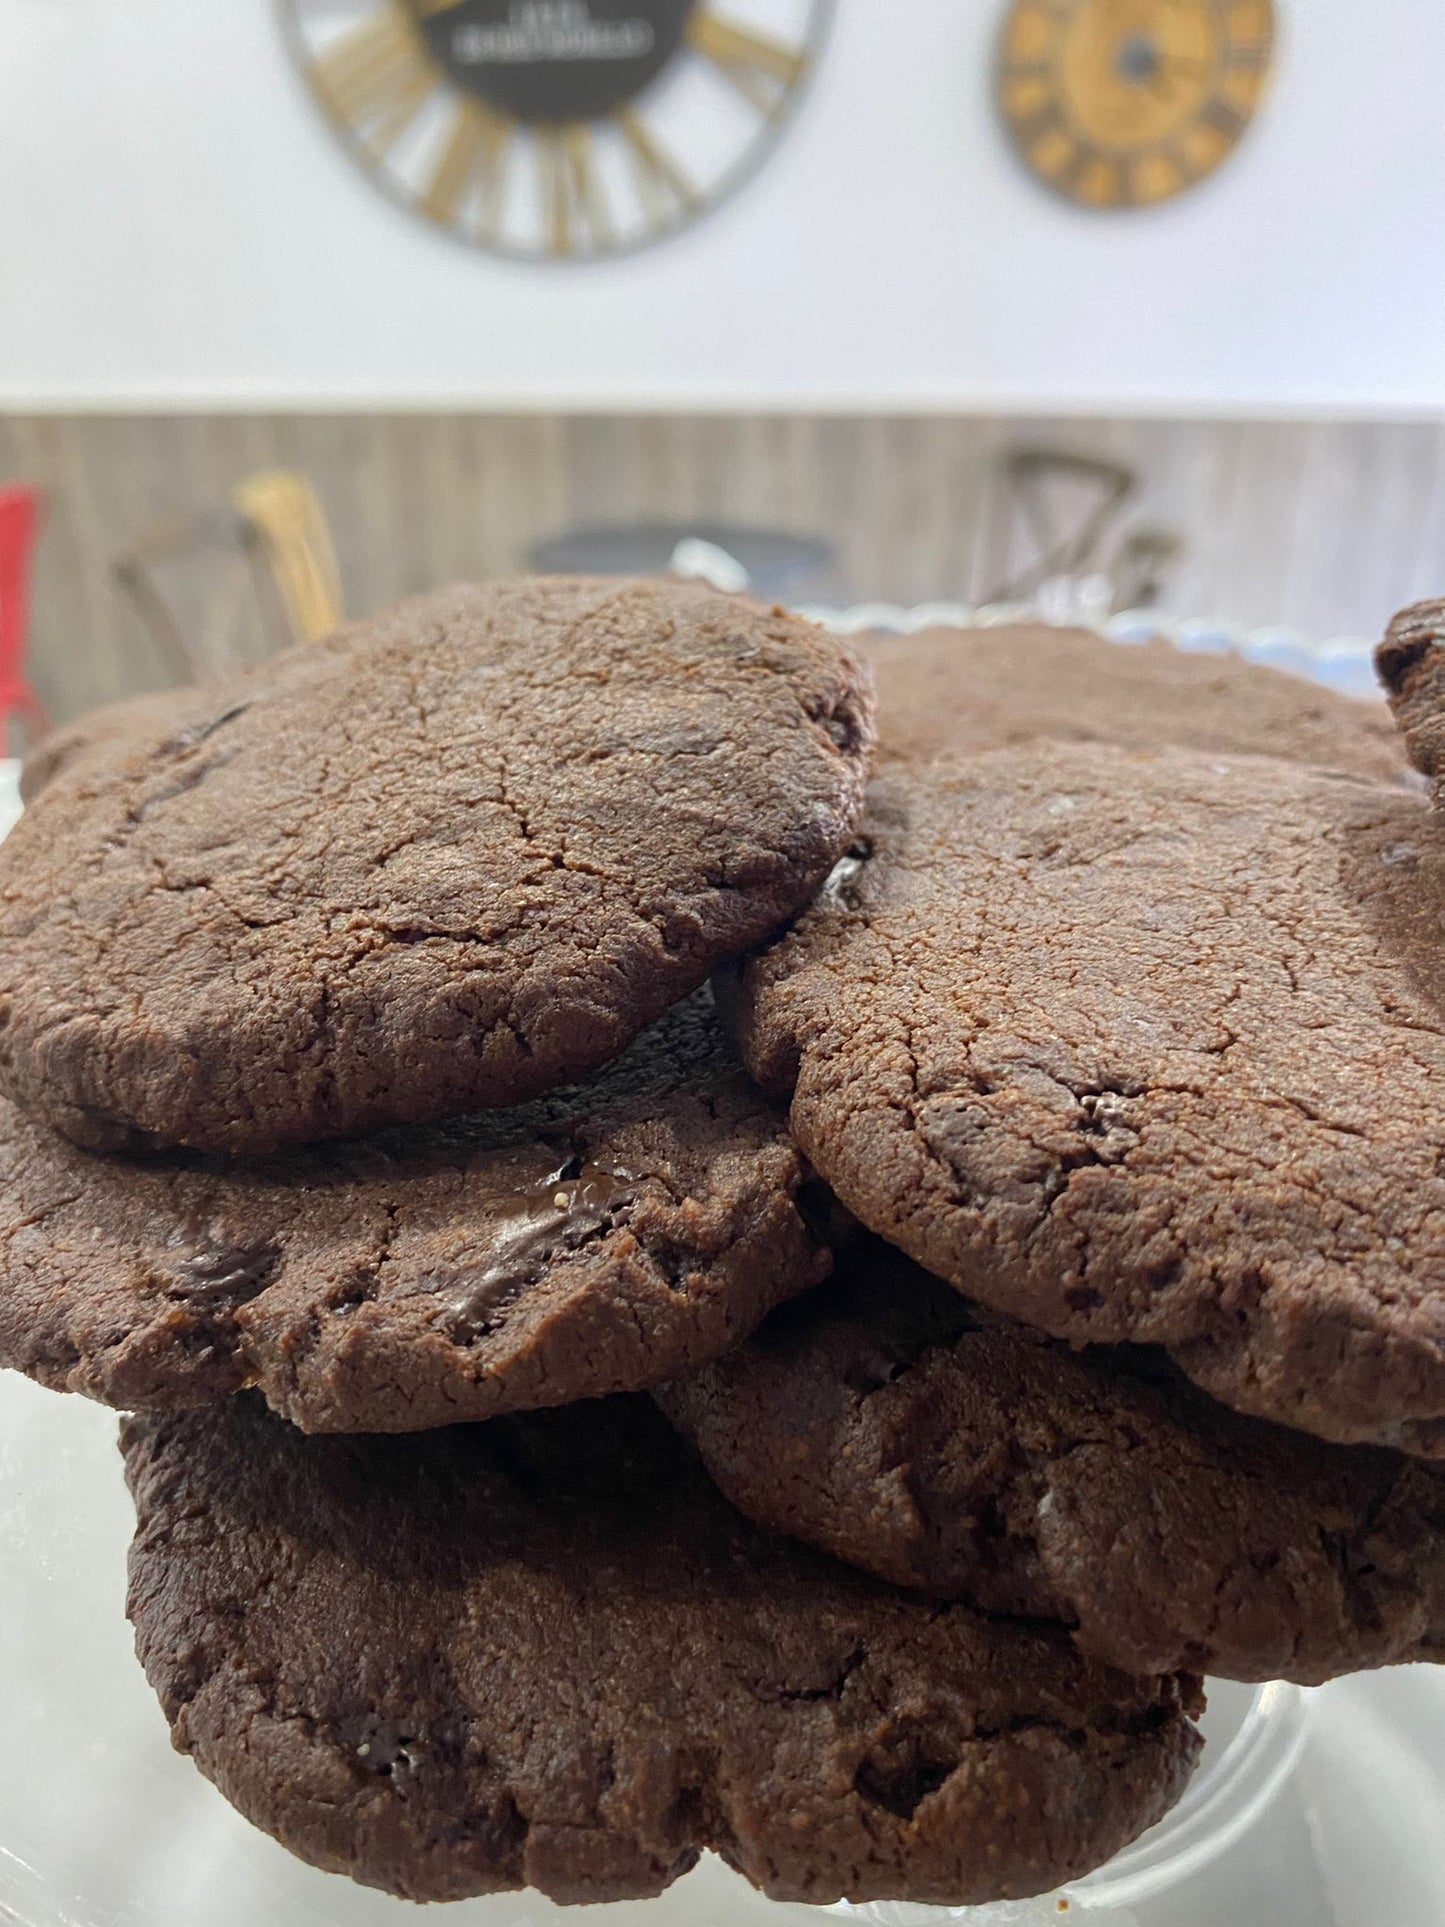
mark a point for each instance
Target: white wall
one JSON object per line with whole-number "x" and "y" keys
{"x": 177, "y": 226}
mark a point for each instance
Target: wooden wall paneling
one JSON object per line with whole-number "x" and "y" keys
{"x": 228, "y": 448}
{"x": 408, "y": 510}
{"x": 838, "y": 483}
{"x": 727, "y": 475}
{"x": 464, "y": 545}
{"x": 597, "y": 482}
{"x": 1426, "y": 564}
{"x": 974, "y": 468}
{"x": 1207, "y": 483}
{"x": 1183, "y": 476}
{"x": 1325, "y": 493}
{"x": 899, "y": 540}
{"x": 1386, "y": 472}
{"x": 1259, "y": 518}
{"x": 754, "y": 482}
{"x": 961, "y": 471}
{"x": 881, "y": 540}
{"x": 529, "y": 471}
{"x": 102, "y": 651}
{"x": 788, "y": 458}
{"x": 341, "y": 456}
{"x": 1322, "y": 527}
{"x": 148, "y": 467}
{"x": 96, "y": 643}
{"x": 348, "y": 461}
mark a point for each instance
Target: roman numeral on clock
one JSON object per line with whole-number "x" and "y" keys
{"x": 574, "y": 203}
{"x": 664, "y": 190}
{"x": 1224, "y": 118}
{"x": 760, "y": 68}
{"x": 1248, "y": 53}
{"x": 473, "y": 165}
{"x": 376, "y": 78}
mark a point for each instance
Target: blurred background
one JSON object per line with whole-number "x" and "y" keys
{"x": 1099, "y": 304}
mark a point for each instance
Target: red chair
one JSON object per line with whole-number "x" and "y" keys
{"x": 19, "y": 527}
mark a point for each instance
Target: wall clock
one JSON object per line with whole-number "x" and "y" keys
{"x": 1118, "y": 103}
{"x": 556, "y": 129}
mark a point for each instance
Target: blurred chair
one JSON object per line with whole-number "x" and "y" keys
{"x": 283, "y": 515}
{"x": 779, "y": 566}
{"x": 20, "y": 515}
{"x": 1063, "y": 512}
{"x": 266, "y": 559}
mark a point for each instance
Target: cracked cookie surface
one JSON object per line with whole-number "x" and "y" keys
{"x": 973, "y": 689}
{"x": 441, "y": 860}
{"x": 887, "y": 1420}
{"x": 590, "y": 1241}
{"x": 545, "y": 1652}
{"x": 1144, "y": 1048}
{"x": 103, "y": 734}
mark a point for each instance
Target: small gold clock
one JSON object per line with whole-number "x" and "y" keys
{"x": 556, "y": 129}
{"x": 1120, "y": 103}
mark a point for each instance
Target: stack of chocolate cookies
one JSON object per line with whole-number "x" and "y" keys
{"x": 670, "y": 1296}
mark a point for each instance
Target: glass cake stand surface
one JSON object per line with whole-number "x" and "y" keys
{"x": 1321, "y": 1809}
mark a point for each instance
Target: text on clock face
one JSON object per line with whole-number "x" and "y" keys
{"x": 541, "y": 30}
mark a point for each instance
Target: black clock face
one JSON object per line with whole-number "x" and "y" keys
{"x": 557, "y": 129}
{"x": 553, "y": 60}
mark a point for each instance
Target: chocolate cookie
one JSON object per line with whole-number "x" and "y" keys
{"x": 103, "y": 732}
{"x": 544, "y": 1652}
{"x": 590, "y": 1241}
{"x": 973, "y": 689}
{"x": 885, "y": 1419}
{"x": 1144, "y": 1048}
{"x": 1411, "y": 664}
{"x": 443, "y": 860}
